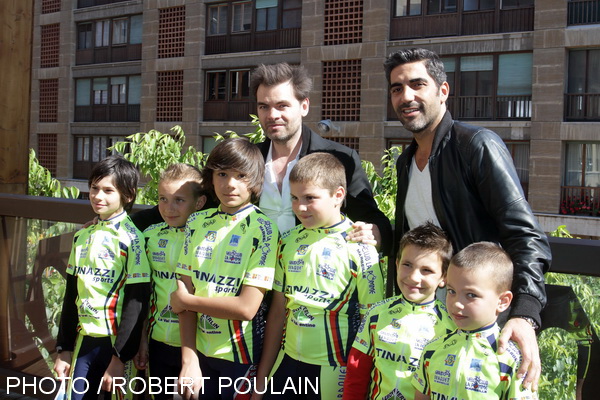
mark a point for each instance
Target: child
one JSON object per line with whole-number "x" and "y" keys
{"x": 227, "y": 265}
{"x": 390, "y": 340}
{"x": 323, "y": 286}
{"x": 465, "y": 364}
{"x": 180, "y": 193}
{"x": 108, "y": 286}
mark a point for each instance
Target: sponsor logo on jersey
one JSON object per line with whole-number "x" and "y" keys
{"x": 235, "y": 240}
{"x": 450, "y": 343}
{"x": 84, "y": 252}
{"x": 301, "y": 317}
{"x": 209, "y": 223}
{"x": 164, "y": 274}
{"x": 477, "y": 384}
{"x": 159, "y": 256}
{"x": 204, "y": 252}
{"x": 208, "y": 325}
{"x": 302, "y": 237}
{"x": 295, "y": 266}
{"x": 167, "y": 315}
{"x": 210, "y": 236}
{"x": 475, "y": 365}
{"x": 450, "y": 360}
{"x": 370, "y": 276}
{"x": 387, "y": 337}
{"x": 106, "y": 254}
{"x": 326, "y": 271}
{"x": 326, "y": 252}
{"x": 421, "y": 342}
{"x": 233, "y": 257}
{"x": 162, "y": 243}
{"x": 395, "y": 323}
{"x": 302, "y": 249}
{"x": 442, "y": 377}
{"x": 87, "y": 310}
{"x": 394, "y": 395}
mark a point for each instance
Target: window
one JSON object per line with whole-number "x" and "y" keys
{"x": 292, "y": 14}
{"x": 583, "y": 85}
{"x": 208, "y": 143}
{"x": 89, "y": 150}
{"x": 476, "y": 86}
{"x": 242, "y": 17}
{"x": 102, "y": 33}
{"x": 407, "y": 7}
{"x": 240, "y": 85}
{"x": 516, "y": 3}
{"x": 341, "y": 90}
{"x": 83, "y": 89}
{"x": 84, "y": 36}
{"x": 351, "y": 142}
{"x": 50, "y": 44}
{"x": 216, "y": 85}
{"x": 475, "y": 5}
{"x": 47, "y": 151}
{"x": 441, "y": 6}
{"x": 135, "y": 32}
{"x": 119, "y": 33}
{"x": 266, "y": 15}
{"x": 519, "y": 150}
{"x": 583, "y": 164}
{"x": 115, "y": 98}
{"x": 117, "y": 90}
{"x": 100, "y": 90}
{"x": 514, "y": 84}
{"x": 50, "y": 6}
{"x": 217, "y": 19}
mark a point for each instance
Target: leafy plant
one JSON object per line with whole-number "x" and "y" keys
{"x": 41, "y": 182}
{"x": 385, "y": 185}
{"x": 257, "y": 136}
{"x": 152, "y": 152}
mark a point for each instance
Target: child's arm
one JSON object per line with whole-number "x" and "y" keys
{"x": 271, "y": 342}
{"x": 190, "y": 364}
{"x": 358, "y": 375}
{"x": 369, "y": 278}
{"x": 67, "y": 331}
{"x": 140, "y": 360}
{"x": 421, "y": 396}
{"x": 241, "y": 307}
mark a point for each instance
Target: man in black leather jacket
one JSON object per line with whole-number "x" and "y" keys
{"x": 463, "y": 178}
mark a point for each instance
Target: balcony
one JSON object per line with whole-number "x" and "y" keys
{"x": 580, "y": 200}
{"x": 117, "y": 53}
{"x": 108, "y": 113}
{"x": 36, "y": 235}
{"x": 583, "y": 12}
{"x": 234, "y": 110}
{"x": 582, "y": 107}
{"x": 253, "y": 41}
{"x": 462, "y": 24}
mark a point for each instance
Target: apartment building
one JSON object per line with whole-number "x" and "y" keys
{"x": 527, "y": 69}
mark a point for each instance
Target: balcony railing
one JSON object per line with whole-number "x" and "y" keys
{"x": 582, "y": 12}
{"x": 580, "y": 200}
{"x": 34, "y": 254}
{"x": 582, "y": 107}
{"x": 465, "y": 23}
{"x": 238, "y": 110}
{"x": 92, "y": 3}
{"x": 253, "y": 41}
{"x": 99, "y": 55}
{"x": 108, "y": 113}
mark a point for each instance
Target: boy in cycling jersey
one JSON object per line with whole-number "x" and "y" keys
{"x": 323, "y": 286}
{"x": 180, "y": 193}
{"x": 465, "y": 363}
{"x": 391, "y": 338}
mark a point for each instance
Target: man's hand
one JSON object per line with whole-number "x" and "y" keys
{"x": 62, "y": 365}
{"x": 521, "y": 332}
{"x": 365, "y": 233}
{"x": 140, "y": 360}
{"x": 116, "y": 369}
{"x": 178, "y": 298}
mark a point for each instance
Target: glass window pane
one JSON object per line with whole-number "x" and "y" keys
{"x": 592, "y": 167}
{"x": 135, "y": 89}
{"x": 292, "y": 18}
{"x": 593, "y": 85}
{"x": 135, "y": 32}
{"x": 576, "y": 80}
{"x": 514, "y": 75}
{"x": 261, "y": 20}
{"x": 477, "y": 63}
{"x": 401, "y": 8}
{"x": 574, "y": 167}
{"x": 449, "y": 64}
{"x": 83, "y": 92}
{"x": 287, "y": 4}
{"x": 265, "y": 4}
{"x": 471, "y": 5}
{"x": 119, "y": 34}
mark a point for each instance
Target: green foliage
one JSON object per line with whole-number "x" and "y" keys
{"x": 257, "y": 136}
{"x": 154, "y": 151}
{"x": 558, "y": 349}
{"x": 41, "y": 182}
{"x": 385, "y": 185}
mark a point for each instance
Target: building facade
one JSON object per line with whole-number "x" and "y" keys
{"x": 527, "y": 69}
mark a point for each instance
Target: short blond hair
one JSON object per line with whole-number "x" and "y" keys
{"x": 321, "y": 169}
{"x": 491, "y": 259}
{"x": 187, "y": 173}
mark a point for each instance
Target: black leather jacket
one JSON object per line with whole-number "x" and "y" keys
{"x": 477, "y": 196}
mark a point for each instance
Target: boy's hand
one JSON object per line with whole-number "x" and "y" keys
{"x": 116, "y": 369}
{"x": 140, "y": 360}
{"x": 62, "y": 365}
{"x": 365, "y": 233}
{"x": 178, "y": 298}
{"x": 521, "y": 332}
{"x": 190, "y": 381}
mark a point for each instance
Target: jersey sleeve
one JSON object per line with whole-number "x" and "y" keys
{"x": 363, "y": 341}
{"x": 186, "y": 258}
{"x": 369, "y": 277}
{"x": 138, "y": 268}
{"x": 279, "y": 280}
{"x": 420, "y": 380}
{"x": 260, "y": 269}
